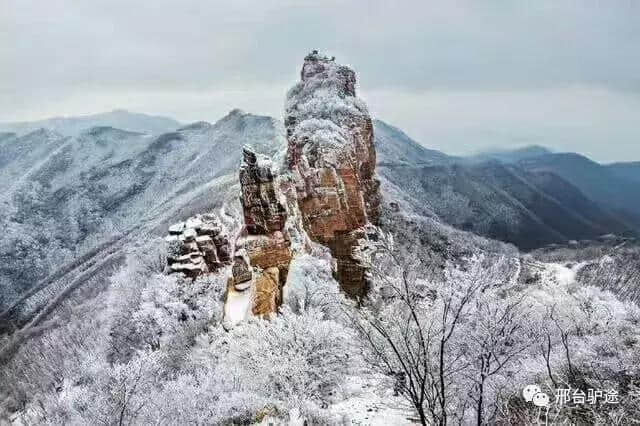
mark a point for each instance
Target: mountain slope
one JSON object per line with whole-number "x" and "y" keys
{"x": 20, "y": 154}
{"x": 505, "y": 203}
{"x": 394, "y": 147}
{"x": 629, "y": 171}
{"x": 596, "y": 181}
{"x": 526, "y": 196}
{"x": 106, "y": 181}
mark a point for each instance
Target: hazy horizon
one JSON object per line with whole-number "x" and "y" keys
{"x": 489, "y": 149}
{"x": 458, "y": 78}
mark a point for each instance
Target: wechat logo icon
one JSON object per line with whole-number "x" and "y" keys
{"x": 534, "y": 395}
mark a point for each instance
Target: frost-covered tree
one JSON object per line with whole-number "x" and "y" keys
{"x": 496, "y": 336}
{"x": 432, "y": 336}
{"x": 310, "y": 285}
{"x": 294, "y": 358}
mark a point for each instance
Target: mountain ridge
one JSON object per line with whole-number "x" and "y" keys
{"x": 511, "y": 155}
{"x": 117, "y": 118}
{"x": 65, "y": 194}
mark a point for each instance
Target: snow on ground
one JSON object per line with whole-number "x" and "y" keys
{"x": 514, "y": 278}
{"x": 237, "y": 307}
{"x": 363, "y": 405}
{"x": 562, "y": 274}
{"x": 366, "y": 405}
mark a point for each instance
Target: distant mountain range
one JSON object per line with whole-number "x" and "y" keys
{"x": 508, "y": 202}
{"x": 604, "y": 184}
{"x": 119, "y": 118}
{"x": 527, "y": 196}
{"x": 71, "y": 184}
{"x": 511, "y": 156}
{"x": 629, "y": 171}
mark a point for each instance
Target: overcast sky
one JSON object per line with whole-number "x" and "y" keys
{"x": 460, "y": 78}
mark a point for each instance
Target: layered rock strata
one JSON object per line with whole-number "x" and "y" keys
{"x": 197, "y": 246}
{"x": 262, "y": 250}
{"x": 332, "y": 156}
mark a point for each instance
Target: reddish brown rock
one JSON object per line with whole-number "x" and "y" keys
{"x": 332, "y": 155}
{"x": 270, "y": 250}
{"x": 328, "y": 194}
{"x": 267, "y": 296}
{"x": 263, "y": 211}
{"x": 263, "y": 245}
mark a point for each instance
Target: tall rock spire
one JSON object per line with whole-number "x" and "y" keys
{"x": 262, "y": 252}
{"x": 332, "y": 155}
{"x": 328, "y": 193}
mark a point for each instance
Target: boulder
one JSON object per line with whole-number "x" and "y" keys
{"x": 176, "y": 229}
{"x": 241, "y": 271}
{"x": 189, "y": 234}
{"x": 197, "y": 241}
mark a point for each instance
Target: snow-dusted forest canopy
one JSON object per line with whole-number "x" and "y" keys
{"x": 453, "y": 328}
{"x": 469, "y": 329}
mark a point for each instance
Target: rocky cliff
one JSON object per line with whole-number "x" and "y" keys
{"x": 332, "y": 157}
{"x": 262, "y": 249}
{"x": 326, "y": 191}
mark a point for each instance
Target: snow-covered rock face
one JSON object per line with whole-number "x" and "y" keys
{"x": 323, "y": 114}
{"x": 327, "y": 192}
{"x": 332, "y": 158}
{"x": 197, "y": 246}
{"x": 263, "y": 212}
{"x": 262, "y": 249}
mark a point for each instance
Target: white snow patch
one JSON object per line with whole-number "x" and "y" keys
{"x": 606, "y": 259}
{"x": 190, "y": 234}
{"x": 562, "y": 274}
{"x": 237, "y": 307}
{"x": 367, "y": 406}
{"x": 193, "y": 222}
{"x": 242, "y": 286}
{"x": 176, "y": 228}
